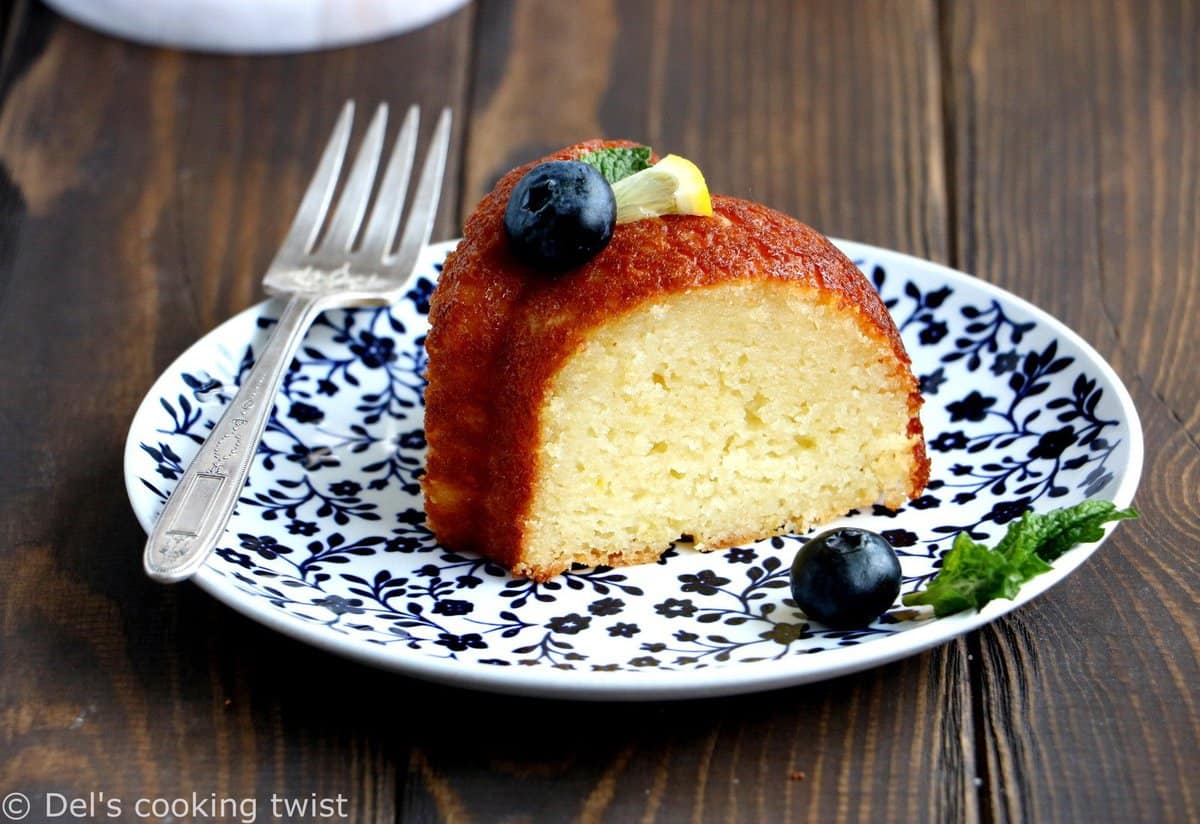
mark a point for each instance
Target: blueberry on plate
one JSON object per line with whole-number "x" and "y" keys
{"x": 560, "y": 215}
{"x": 845, "y": 578}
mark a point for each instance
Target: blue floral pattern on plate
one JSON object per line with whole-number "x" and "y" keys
{"x": 329, "y": 541}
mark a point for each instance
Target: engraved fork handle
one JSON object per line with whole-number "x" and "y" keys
{"x": 198, "y": 510}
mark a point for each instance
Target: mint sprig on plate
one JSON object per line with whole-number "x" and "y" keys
{"x": 972, "y": 574}
{"x": 615, "y": 164}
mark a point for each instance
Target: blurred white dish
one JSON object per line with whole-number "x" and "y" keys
{"x": 254, "y": 26}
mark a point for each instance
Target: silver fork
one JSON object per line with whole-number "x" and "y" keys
{"x": 337, "y": 273}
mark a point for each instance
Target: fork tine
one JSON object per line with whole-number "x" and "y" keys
{"x": 314, "y": 205}
{"x": 385, "y": 215}
{"x": 352, "y": 204}
{"x": 424, "y": 205}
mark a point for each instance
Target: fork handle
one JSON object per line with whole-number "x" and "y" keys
{"x": 196, "y": 513}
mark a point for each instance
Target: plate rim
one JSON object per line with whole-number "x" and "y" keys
{"x": 624, "y": 685}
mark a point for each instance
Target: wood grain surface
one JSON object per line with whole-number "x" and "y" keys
{"x": 144, "y": 191}
{"x": 1077, "y": 186}
{"x": 1048, "y": 148}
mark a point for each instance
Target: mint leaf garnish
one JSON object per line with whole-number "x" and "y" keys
{"x": 972, "y": 575}
{"x": 615, "y": 164}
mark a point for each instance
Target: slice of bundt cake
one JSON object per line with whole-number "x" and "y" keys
{"x": 725, "y": 378}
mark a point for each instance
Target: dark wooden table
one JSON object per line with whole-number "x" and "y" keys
{"x": 1050, "y": 148}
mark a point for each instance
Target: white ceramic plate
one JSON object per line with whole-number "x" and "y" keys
{"x": 257, "y": 27}
{"x": 329, "y": 543}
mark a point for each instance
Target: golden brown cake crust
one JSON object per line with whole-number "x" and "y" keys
{"x": 500, "y": 330}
